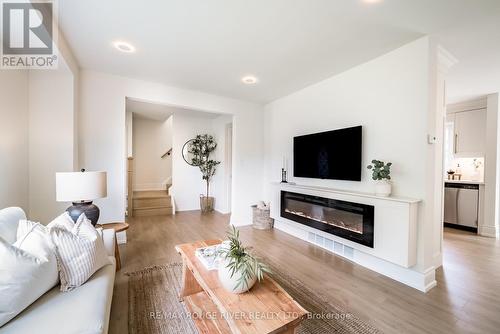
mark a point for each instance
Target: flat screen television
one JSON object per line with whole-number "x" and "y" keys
{"x": 329, "y": 155}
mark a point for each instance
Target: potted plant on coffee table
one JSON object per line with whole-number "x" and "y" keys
{"x": 381, "y": 172}
{"x": 200, "y": 148}
{"x": 238, "y": 268}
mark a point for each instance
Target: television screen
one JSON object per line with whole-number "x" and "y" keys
{"x": 329, "y": 155}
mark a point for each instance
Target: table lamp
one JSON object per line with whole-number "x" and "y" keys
{"x": 81, "y": 188}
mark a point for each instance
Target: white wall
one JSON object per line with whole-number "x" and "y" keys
{"x": 38, "y": 134}
{"x": 14, "y": 139}
{"x": 387, "y": 96}
{"x": 39, "y": 128}
{"x": 491, "y": 169}
{"x": 69, "y": 65}
{"x": 187, "y": 183}
{"x": 167, "y": 133}
{"x": 103, "y": 138}
{"x": 151, "y": 139}
{"x": 392, "y": 98}
{"x": 53, "y": 126}
{"x": 129, "y": 126}
{"x": 51, "y": 139}
{"x": 220, "y": 186}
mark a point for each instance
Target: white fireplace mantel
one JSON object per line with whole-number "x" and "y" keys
{"x": 351, "y": 193}
{"x": 395, "y": 232}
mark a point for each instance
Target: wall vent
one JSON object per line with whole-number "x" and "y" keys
{"x": 338, "y": 248}
{"x": 329, "y": 244}
{"x": 311, "y": 237}
{"x": 333, "y": 246}
{"x": 348, "y": 252}
{"x": 320, "y": 240}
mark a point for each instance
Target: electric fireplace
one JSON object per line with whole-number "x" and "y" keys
{"x": 352, "y": 221}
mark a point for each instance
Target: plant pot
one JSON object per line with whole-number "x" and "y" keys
{"x": 229, "y": 283}
{"x": 206, "y": 204}
{"x": 383, "y": 188}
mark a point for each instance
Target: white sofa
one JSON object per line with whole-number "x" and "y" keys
{"x": 84, "y": 310}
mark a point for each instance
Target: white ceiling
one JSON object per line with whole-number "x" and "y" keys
{"x": 160, "y": 112}
{"x": 476, "y": 45}
{"x": 287, "y": 44}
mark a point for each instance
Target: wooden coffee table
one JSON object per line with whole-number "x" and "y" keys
{"x": 266, "y": 308}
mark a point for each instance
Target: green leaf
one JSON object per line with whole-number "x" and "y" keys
{"x": 201, "y": 147}
{"x": 241, "y": 261}
{"x": 380, "y": 170}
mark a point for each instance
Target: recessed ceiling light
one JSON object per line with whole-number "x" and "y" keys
{"x": 372, "y": 1}
{"x": 124, "y": 46}
{"x": 249, "y": 80}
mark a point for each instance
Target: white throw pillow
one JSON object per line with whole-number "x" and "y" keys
{"x": 64, "y": 220}
{"x": 28, "y": 269}
{"x": 80, "y": 253}
{"x": 25, "y": 226}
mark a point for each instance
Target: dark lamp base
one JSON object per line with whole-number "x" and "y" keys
{"x": 91, "y": 211}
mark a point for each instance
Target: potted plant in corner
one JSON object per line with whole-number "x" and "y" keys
{"x": 381, "y": 172}
{"x": 201, "y": 147}
{"x": 238, "y": 268}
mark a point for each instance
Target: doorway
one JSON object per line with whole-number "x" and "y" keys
{"x": 180, "y": 183}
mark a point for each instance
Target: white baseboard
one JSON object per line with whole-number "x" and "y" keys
{"x": 429, "y": 279}
{"x": 222, "y": 211}
{"x": 423, "y": 281}
{"x": 487, "y": 231}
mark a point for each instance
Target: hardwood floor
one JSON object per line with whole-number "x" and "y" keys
{"x": 466, "y": 299}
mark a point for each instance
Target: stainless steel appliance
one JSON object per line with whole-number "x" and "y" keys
{"x": 461, "y": 204}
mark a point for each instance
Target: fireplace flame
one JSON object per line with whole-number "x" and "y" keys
{"x": 336, "y": 223}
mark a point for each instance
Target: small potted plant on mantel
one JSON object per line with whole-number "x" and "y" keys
{"x": 238, "y": 268}
{"x": 381, "y": 173}
{"x": 201, "y": 147}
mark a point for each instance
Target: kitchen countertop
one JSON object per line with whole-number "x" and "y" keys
{"x": 463, "y": 181}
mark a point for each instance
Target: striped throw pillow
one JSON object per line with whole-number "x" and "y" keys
{"x": 80, "y": 253}
{"x": 64, "y": 220}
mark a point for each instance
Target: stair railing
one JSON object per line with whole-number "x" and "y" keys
{"x": 169, "y": 152}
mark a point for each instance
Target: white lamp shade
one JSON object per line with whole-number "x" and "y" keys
{"x": 80, "y": 186}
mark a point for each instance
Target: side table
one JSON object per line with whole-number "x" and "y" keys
{"x": 118, "y": 227}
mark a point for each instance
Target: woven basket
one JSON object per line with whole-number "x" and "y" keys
{"x": 261, "y": 219}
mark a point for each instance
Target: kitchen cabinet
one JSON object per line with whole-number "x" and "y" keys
{"x": 469, "y": 133}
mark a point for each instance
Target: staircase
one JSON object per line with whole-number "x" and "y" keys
{"x": 151, "y": 203}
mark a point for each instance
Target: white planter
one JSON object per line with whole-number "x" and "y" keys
{"x": 383, "y": 188}
{"x": 229, "y": 283}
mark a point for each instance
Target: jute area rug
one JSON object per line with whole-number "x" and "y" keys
{"x": 154, "y": 306}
